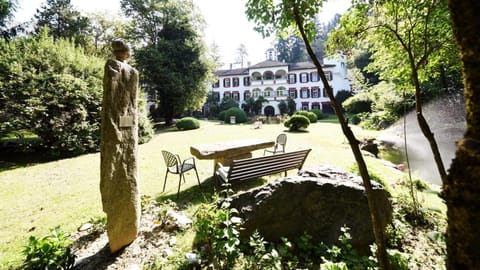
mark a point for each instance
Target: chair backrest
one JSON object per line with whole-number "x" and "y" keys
{"x": 282, "y": 139}
{"x": 171, "y": 160}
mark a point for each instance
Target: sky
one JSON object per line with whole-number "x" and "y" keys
{"x": 227, "y": 24}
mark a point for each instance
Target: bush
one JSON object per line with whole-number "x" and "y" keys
{"x": 310, "y": 115}
{"x": 240, "y": 115}
{"x": 318, "y": 113}
{"x": 358, "y": 104}
{"x": 50, "y": 252}
{"x": 188, "y": 123}
{"x": 297, "y": 122}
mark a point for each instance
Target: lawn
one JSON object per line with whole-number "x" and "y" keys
{"x": 66, "y": 192}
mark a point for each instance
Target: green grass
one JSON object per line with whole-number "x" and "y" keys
{"x": 66, "y": 192}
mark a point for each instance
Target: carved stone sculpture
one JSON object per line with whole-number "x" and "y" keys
{"x": 119, "y": 143}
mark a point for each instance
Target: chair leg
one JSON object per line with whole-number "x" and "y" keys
{"x": 198, "y": 178}
{"x": 165, "y": 182}
{"x": 179, "y": 184}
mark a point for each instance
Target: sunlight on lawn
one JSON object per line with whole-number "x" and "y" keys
{"x": 66, "y": 192}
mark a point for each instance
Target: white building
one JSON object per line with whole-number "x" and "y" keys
{"x": 276, "y": 81}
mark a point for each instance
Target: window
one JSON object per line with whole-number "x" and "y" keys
{"x": 304, "y": 93}
{"x": 268, "y": 75}
{"x": 303, "y": 77}
{"x": 314, "y": 76}
{"x": 256, "y": 93}
{"x": 315, "y": 93}
{"x": 324, "y": 92}
{"x": 281, "y": 92}
{"x": 315, "y": 105}
{"x": 246, "y": 81}
{"x": 226, "y": 82}
{"x": 236, "y": 95}
{"x": 227, "y": 95}
{"x": 305, "y": 106}
{"x": 216, "y": 84}
{"x": 267, "y": 93}
{"x": 292, "y": 93}
{"x": 247, "y": 94}
{"x": 235, "y": 82}
{"x": 329, "y": 75}
{"x": 292, "y": 78}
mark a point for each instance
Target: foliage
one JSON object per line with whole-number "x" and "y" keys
{"x": 172, "y": 61}
{"x": 297, "y": 122}
{"x": 227, "y": 103}
{"x": 358, "y": 104}
{"x": 292, "y": 106}
{"x": 52, "y": 89}
{"x": 63, "y": 21}
{"x": 188, "y": 123}
{"x": 310, "y": 115}
{"x": 318, "y": 113}
{"x": 145, "y": 127}
{"x": 240, "y": 115}
{"x": 218, "y": 233}
{"x": 7, "y": 8}
{"x": 258, "y": 104}
{"x": 50, "y": 252}
{"x": 342, "y": 95}
{"x": 378, "y": 120}
{"x": 283, "y": 107}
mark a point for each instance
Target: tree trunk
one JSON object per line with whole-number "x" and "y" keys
{"x": 378, "y": 230}
{"x": 462, "y": 189}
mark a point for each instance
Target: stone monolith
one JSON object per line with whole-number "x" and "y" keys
{"x": 119, "y": 143}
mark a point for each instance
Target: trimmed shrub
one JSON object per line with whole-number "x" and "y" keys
{"x": 297, "y": 122}
{"x": 240, "y": 115}
{"x": 358, "y": 104}
{"x": 310, "y": 115}
{"x": 188, "y": 123}
{"x": 318, "y": 113}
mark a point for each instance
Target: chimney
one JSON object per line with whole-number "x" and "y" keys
{"x": 231, "y": 66}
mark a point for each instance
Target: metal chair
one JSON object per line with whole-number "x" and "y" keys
{"x": 279, "y": 146}
{"x": 176, "y": 166}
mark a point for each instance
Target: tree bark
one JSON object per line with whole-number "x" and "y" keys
{"x": 462, "y": 188}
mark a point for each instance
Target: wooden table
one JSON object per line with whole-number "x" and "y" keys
{"x": 225, "y": 152}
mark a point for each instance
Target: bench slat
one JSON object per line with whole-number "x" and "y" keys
{"x": 245, "y": 169}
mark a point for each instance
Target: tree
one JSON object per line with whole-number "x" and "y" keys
{"x": 103, "y": 29}
{"x": 63, "y": 21}
{"x": 291, "y": 49}
{"x": 7, "y": 8}
{"x": 411, "y": 42}
{"x": 173, "y": 61}
{"x": 53, "y": 90}
{"x": 258, "y": 104}
{"x": 300, "y": 15}
{"x": 462, "y": 190}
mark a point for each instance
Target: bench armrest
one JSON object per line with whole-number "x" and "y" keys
{"x": 222, "y": 171}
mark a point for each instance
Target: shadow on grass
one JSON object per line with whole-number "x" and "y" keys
{"x": 100, "y": 260}
{"x": 10, "y": 160}
{"x": 210, "y": 188}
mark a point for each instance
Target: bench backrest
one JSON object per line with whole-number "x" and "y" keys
{"x": 250, "y": 168}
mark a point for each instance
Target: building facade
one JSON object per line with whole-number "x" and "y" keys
{"x": 277, "y": 81}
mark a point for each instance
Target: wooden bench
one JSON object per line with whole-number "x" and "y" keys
{"x": 251, "y": 168}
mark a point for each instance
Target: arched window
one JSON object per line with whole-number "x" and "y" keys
{"x": 268, "y": 75}
{"x": 256, "y": 76}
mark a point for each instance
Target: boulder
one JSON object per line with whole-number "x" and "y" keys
{"x": 317, "y": 201}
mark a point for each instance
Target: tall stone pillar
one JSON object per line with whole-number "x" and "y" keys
{"x": 119, "y": 144}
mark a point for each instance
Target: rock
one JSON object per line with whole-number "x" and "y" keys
{"x": 370, "y": 146}
{"x": 317, "y": 201}
{"x": 118, "y": 151}
{"x": 175, "y": 221}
